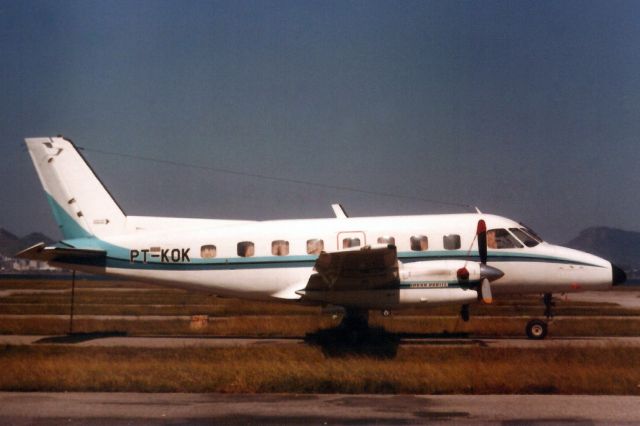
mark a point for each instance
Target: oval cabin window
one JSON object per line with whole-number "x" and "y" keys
{"x": 350, "y": 242}
{"x": 419, "y": 243}
{"x": 315, "y": 246}
{"x": 246, "y": 249}
{"x": 208, "y": 251}
{"x": 280, "y": 248}
{"x": 451, "y": 242}
{"x": 386, "y": 240}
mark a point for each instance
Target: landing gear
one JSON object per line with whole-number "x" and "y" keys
{"x": 355, "y": 319}
{"x": 537, "y": 329}
{"x": 548, "y": 305}
{"x": 464, "y": 313}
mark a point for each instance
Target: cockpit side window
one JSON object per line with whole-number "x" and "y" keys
{"x": 501, "y": 239}
{"x": 523, "y": 236}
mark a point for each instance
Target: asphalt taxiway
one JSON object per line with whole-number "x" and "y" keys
{"x": 339, "y": 409}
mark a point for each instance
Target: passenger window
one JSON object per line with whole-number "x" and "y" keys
{"x": 350, "y": 242}
{"x": 208, "y": 251}
{"x": 315, "y": 246}
{"x": 419, "y": 243}
{"x": 246, "y": 249}
{"x": 451, "y": 242}
{"x": 523, "y": 236}
{"x": 386, "y": 240}
{"x": 501, "y": 239}
{"x": 280, "y": 248}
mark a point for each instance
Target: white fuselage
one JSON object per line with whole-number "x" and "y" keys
{"x": 206, "y": 256}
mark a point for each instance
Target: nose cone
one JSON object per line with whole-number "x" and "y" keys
{"x": 618, "y": 275}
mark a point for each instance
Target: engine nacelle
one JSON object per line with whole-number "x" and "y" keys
{"x": 439, "y": 271}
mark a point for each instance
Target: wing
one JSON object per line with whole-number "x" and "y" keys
{"x": 63, "y": 255}
{"x": 364, "y": 269}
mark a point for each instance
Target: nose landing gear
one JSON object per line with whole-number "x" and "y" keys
{"x": 536, "y": 328}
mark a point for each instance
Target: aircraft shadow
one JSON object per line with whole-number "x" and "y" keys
{"x": 373, "y": 341}
{"x": 80, "y": 337}
{"x": 340, "y": 341}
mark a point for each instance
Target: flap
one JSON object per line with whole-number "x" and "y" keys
{"x": 364, "y": 269}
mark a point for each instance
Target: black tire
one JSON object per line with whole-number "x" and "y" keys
{"x": 536, "y": 329}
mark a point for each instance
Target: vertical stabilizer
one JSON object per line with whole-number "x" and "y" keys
{"x": 81, "y": 204}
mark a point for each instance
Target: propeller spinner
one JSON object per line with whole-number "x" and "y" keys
{"x": 488, "y": 273}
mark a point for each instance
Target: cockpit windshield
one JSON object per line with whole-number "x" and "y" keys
{"x": 527, "y": 236}
{"x": 532, "y": 233}
{"x": 501, "y": 239}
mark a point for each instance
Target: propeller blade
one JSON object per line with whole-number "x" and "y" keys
{"x": 485, "y": 291}
{"x": 481, "y": 233}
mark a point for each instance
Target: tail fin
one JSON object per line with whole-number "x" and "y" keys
{"x": 81, "y": 204}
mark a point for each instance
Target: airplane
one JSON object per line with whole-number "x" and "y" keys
{"x": 357, "y": 263}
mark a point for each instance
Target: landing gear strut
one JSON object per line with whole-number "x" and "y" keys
{"x": 548, "y": 305}
{"x": 355, "y": 319}
{"x": 464, "y": 313}
{"x": 537, "y": 329}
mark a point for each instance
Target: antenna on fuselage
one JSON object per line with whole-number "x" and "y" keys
{"x": 339, "y": 211}
{"x": 477, "y": 209}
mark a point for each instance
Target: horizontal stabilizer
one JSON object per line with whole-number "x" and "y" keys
{"x": 62, "y": 254}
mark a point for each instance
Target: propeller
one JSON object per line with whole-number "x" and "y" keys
{"x": 487, "y": 273}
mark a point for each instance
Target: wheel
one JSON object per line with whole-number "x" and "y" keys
{"x": 536, "y": 329}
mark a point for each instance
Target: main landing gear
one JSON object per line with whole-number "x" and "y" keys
{"x": 355, "y": 320}
{"x": 464, "y": 313}
{"x": 536, "y": 328}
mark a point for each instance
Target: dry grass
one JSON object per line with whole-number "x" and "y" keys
{"x": 298, "y": 368}
{"x": 299, "y": 326}
{"x": 305, "y": 367}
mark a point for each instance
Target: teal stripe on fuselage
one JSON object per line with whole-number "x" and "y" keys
{"x": 118, "y": 257}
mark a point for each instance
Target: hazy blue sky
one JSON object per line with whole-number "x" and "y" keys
{"x": 529, "y": 110}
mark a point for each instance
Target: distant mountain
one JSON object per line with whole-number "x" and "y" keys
{"x": 618, "y": 246}
{"x": 10, "y": 244}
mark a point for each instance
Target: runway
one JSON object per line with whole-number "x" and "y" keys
{"x": 101, "y": 340}
{"x": 339, "y": 409}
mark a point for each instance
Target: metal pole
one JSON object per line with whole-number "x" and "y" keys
{"x": 73, "y": 295}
